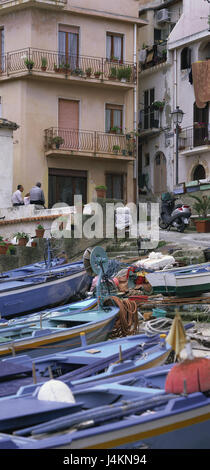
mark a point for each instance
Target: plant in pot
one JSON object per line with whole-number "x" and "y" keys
{"x": 101, "y": 191}
{"x": 202, "y": 207}
{"x": 158, "y": 105}
{"x": 39, "y": 231}
{"x": 57, "y": 141}
{"x": 3, "y": 246}
{"x": 97, "y": 74}
{"x": 11, "y": 250}
{"x": 115, "y": 130}
{"x": 116, "y": 148}
{"x": 22, "y": 238}
{"x": 43, "y": 63}
{"x": 29, "y": 64}
{"x": 113, "y": 73}
{"x": 124, "y": 74}
{"x": 88, "y": 72}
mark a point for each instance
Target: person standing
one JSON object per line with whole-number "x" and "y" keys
{"x": 37, "y": 195}
{"x": 17, "y": 199}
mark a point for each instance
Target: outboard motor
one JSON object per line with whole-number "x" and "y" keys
{"x": 172, "y": 215}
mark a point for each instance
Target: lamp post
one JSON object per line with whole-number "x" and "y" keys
{"x": 177, "y": 116}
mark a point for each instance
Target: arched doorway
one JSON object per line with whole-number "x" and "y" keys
{"x": 199, "y": 173}
{"x": 160, "y": 181}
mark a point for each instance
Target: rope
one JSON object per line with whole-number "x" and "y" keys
{"x": 127, "y": 320}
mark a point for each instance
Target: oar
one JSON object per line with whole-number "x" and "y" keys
{"x": 97, "y": 415}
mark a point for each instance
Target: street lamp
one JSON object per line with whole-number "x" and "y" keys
{"x": 177, "y": 116}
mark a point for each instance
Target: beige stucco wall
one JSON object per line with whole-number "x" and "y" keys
{"x": 6, "y": 159}
{"x": 33, "y": 101}
{"x": 119, "y": 7}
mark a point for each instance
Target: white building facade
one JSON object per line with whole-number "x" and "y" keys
{"x": 177, "y": 36}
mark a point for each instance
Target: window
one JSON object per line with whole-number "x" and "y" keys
{"x": 114, "y": 46}
{"x": 64, "y": 184}
{"x": 200, "y": 127}
{"x": 0, "y": 107}
{"x": 115, "y": 186}
{"x": 157, "y": 35}
{"x": 114, "y": 118}
{"x": 149, "y": 113}
{"x": 199, "y": 173}
{"x": 68, "y": 45}
{"x": 186, "y": 58}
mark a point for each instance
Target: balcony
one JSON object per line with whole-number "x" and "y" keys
{"x": 149, "y": 122}
{"x": 11, "y": 4}
{"x": 194, "y": 139}
{"x": 154, "y": 55}
{"x": 82, "y": 68}
{"x": 94, "y": 144}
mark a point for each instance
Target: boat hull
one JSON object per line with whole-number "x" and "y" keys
{"x": 33, "y": 297}
{"x": 179, "y": 284}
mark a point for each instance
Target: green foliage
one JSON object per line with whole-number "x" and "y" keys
{"x": 19, "y": 235}
{"x": 202, "y": 205}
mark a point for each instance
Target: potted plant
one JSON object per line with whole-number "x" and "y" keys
{"x": 39, "y": 231}
{"x": 88, "y": 72}
{"x": 3, "y": 246}
{"x": 101, "y": 191}
{"x": 97, "y": 74}
{"x": 56, "y": 68}
{"x": 124, "y": 74}
{"x": 22, "y": 238}
{"x": 78, "y": 72}
{"x": 164, "y": 54}
{"x": 113, "y": 73}
{"x": 43, "y": 63}
{"x": 202, "y": 207}
{"x": 115, "y": 130}
{"x": 116, "y": 148}
{"x": 57, "y": 141}
{"x": 29, "y": 64}
{"x": 206, "y": 141}
{"x": 158, "y": 105}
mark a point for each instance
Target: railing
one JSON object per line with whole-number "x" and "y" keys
{"x": 89, "y": 141}
{"x": 149, "y": 118}
{"x": 195, "y": 136}
{"x": 55, "y": 62}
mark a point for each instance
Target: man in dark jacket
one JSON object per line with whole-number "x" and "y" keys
{"x": 37, "y": 195}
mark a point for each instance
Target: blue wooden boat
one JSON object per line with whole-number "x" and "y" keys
{"x": 126, "y": 412}
{"x": 57, "y": 330}
{"x": 36, "y": 286}
{"x": 83, "y": 365}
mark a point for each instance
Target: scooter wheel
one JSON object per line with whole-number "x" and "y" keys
{"x": 162, "y": 225}
{"x": 181, "y": 227}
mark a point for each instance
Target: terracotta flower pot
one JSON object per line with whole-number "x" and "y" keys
{"x": 34, "y": 244}
{"x": 22, "y": 241}
{"x": 3, "y": 249}
{"x": 101, "y": 193}
{"x": 39, "y": 232}
{"x": 202, "y": 226}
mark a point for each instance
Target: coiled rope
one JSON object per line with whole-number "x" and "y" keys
{"x": 127, "y": 320}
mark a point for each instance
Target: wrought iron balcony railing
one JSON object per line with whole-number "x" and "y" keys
{"x": 84, "y": 67}
{"x": 195, "y": 136}
{"x": 149, "y": 118}
{"x": 89, "y": 141}
{"x": 154, "y": 55}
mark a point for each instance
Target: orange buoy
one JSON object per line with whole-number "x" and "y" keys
{"x": 191, "y": 375}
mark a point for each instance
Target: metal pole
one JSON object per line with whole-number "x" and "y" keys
{"x": 177, "y": 154}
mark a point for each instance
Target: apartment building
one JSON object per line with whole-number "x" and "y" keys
{"x": 177, "y": 37}
{"x": 68, "y": 78}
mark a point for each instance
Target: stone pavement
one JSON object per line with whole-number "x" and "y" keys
{"x": 192, "y": 239}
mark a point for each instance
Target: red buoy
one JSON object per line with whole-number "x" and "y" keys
{"x": 191, "y": 375}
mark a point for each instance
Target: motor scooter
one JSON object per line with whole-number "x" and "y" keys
{"x": 172, "y": 215}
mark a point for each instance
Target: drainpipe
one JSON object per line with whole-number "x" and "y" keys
{"x": 174, "y": 107}
{"x": 135, "y": 166}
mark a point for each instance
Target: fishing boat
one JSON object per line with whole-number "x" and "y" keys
{"x": 36, "y": 286}
{"x": 84, "y": 365}
{"x": 135, "y": 411}
{"x": 59, "y": 329}
{"x": 187, "y": 281}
